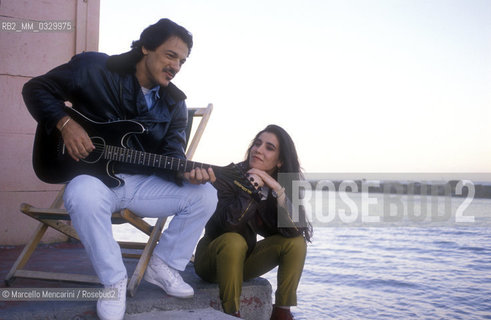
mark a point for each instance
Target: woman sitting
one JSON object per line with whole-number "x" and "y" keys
{"x": 229, "y": 252}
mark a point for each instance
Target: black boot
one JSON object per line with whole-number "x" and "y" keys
{"x": 281, "y": 314}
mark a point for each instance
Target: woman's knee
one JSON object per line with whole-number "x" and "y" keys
{"x": 226, "y": 252}
{"x": 295, "y": 246}
{"x": 231, "y": 244}
{"x": 298, "y": 243}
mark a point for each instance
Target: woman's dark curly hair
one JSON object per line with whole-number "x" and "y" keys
{"x": 290, "y": 165}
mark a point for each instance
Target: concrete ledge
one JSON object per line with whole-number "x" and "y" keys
{"x": 197, "y": 314}
{"x": 149, "y": 300}
{"x": 256, "y": 300}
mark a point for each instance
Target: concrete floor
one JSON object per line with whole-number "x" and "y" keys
{"x": 149, "y": 302}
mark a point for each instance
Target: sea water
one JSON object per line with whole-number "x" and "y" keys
{"x": 401, "y": 272}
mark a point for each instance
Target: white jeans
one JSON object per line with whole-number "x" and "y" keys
{"x": 90, "y": 204}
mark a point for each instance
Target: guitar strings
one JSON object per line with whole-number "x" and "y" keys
{"x": 230, "y": 174}
{"x": 101, "y": 147}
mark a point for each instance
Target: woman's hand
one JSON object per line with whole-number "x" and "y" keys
{"x": 262, "y": 178}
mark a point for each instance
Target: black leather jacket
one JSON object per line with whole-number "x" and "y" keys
{"x": 104, "y": 94}
{"x": 239, "y": 212}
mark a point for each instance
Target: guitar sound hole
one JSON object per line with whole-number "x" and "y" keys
{"x": 96, "y": 155}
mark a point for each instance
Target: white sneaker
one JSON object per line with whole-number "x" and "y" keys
{"x": 109, "y": 308}
{"x": 168, "y": 278}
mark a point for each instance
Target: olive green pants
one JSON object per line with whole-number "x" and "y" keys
{"x": 224, "y": 261}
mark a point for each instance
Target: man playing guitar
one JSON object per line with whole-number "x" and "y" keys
{"x": 134, "y": 86}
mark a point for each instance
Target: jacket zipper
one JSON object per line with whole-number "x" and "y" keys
{"x": 244, "y": 212}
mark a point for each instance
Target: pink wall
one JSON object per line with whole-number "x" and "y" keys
{"x": 23, "y": 55}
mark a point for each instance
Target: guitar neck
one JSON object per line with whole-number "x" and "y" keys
{"x": 151, "y": 160}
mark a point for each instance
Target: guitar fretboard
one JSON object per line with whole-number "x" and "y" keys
{"x": 146, "y": 159}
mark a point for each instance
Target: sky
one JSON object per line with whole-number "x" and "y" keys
{"x": 360, "y": 85}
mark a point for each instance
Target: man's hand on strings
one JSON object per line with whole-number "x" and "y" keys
{"x": 77, "y": 141}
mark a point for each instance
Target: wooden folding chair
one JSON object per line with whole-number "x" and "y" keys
{"x": 56, "y": 217}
